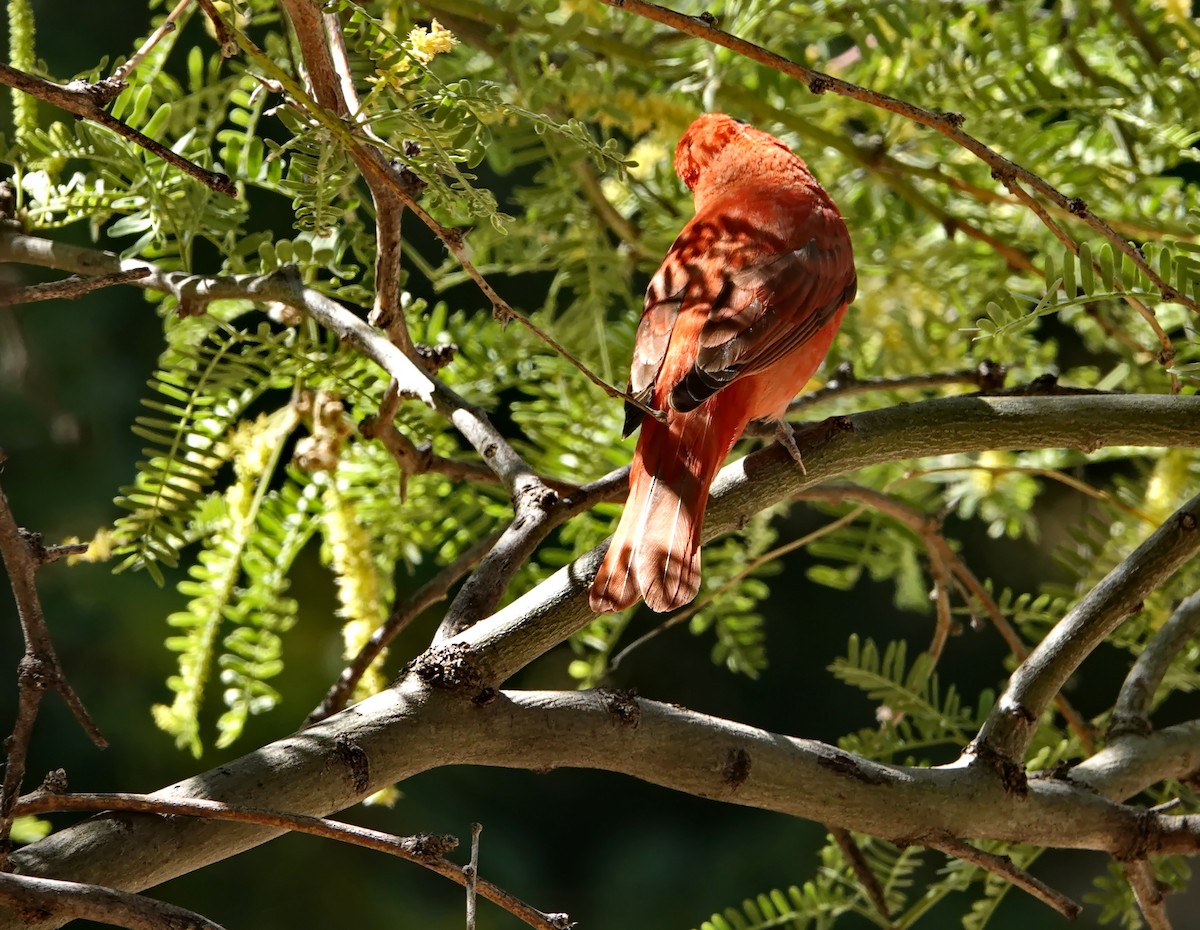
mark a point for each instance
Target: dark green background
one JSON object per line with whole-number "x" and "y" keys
{"x": 611, "y": 851}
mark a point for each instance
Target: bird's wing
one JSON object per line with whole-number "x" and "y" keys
{"x": 767, "y": 304}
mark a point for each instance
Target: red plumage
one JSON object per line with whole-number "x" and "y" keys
{"x": 736, "y": 321}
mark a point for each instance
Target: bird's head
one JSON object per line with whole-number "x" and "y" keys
{"x": 713, "y": 135}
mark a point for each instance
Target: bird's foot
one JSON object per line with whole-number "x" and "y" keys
{"x": 787, "y": 439}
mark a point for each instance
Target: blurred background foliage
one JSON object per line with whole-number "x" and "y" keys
{"x": 276, "y": 535}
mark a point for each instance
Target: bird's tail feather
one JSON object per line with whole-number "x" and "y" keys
{"x": 655, "y": 552}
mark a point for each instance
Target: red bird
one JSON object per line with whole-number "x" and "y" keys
{"x": 736, "y": 321}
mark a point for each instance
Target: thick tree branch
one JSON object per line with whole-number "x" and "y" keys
{"x": 39, "y": 669}
{"x": 544, "y": 617}
{"x": 413, "y": 728}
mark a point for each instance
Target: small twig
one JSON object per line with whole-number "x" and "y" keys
{"x": 225, "y": 39}
{"x": 87, "y": 102}
{"x": 472, "y": 872}
{"x": 36, "y": 898}
{"x": 1167, "y": 351}
{"x": 69, "y": 288}
{"x": 1006, "y": 869}
{"x": 986, "y": 376}
{"x": 617, "y": 224}
{"x": 947, "y": 124}
{"x": 424, "y": 850}
{"x": 1140, "y": 875}
{"x": 701, "y": 603}
{"x": 858, "y": 863}
{"x": 1052, "y": 474}
{"x": 1131, "y": 714}
{"x": 39, "y": 669}
{"x": 940, "y": 552}
{"x": 534, "y": 518}
{"x": 418, "y": 460}
{"x": 386, "y": 312}
{"x": 121, "y": 74}
{"x": 401, "y": 616}
{"x": 1006, "y": 734}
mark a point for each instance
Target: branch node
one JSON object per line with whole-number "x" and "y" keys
{"x": 622, "y": 706}
{"x": 450, "y": 666}
{"x": 818, "y": 84}
{"x": 435, "y": 358}
{"x": 736, "y": 767}
{"x": 990, "y": 375}
{"x": 433, "y": 846}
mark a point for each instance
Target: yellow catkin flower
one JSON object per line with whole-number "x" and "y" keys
{"x": 100, "y": 547}
{"x": 424, "y": 44}
{"x": 1167, "y": 485}
{"x": 360, "y": 600}
{"x": 1176, "y": 11}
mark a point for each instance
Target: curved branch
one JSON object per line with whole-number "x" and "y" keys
{"x": 1132, "y": 710}
{"x": 37, "y": 897}
{"x": 1007, "y": 732}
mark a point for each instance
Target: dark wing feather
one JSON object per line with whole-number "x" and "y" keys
{"x": 766, "y": 309}
{"x": 664, "y": 298}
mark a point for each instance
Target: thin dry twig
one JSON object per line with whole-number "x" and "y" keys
{"x": 34, "y": 898}
{"x": 418, "y": 460}
{"x": 1140, "y": 875}
{"x": 1006, "y": 869}
{"x": 225, "y": 39}
{"x": 948, "y": 124}
{"x": 69, "y": 288}
{"x": 121, "y": 74}
{"x": 986, "y": 376}
{"x": 862, "y": 871}
{"x": 87, "y": 101}
{"x": 1166, "y": 353}
{"x": 701, "y": 603}
{"x": 424, "y": 850}
{"x": 39, "y": 669}
{"x": 940, "y": 552}
{"x": 472, "y": 872}
{"x": 332, "y": 104}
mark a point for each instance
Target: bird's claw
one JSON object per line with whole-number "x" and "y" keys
{"x": 787, "y": 439}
